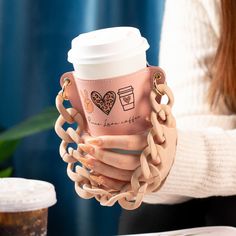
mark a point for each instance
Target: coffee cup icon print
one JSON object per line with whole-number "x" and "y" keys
{"x": 126, "y": 96}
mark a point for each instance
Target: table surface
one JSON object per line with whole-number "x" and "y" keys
{"x": 201, "y": 231}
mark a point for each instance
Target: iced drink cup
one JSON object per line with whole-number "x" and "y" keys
{"x": 112, "y": 80}
{"x": 24, "y": 206}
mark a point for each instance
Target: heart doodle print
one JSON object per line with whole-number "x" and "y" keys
{"x": 104, "y": 103}
{"x": 127, "y": 99}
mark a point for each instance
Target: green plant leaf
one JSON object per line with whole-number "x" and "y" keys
{"x": 7, "y": 148}
{"x": 40, "y": 122}
{"x": 6, "y": 172}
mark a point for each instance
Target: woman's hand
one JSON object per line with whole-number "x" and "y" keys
{"x": 112, "y": 168}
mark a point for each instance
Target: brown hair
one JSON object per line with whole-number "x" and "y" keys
{"x": 223, "y": 84}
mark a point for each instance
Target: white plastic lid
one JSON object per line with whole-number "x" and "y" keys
{"x": 106, "y": 45}
{"x": 18, "y": 194}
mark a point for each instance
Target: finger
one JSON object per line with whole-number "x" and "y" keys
{"x": 108, "y": 182}
{"x": 85, "y": 136}
{"x": 106, "y": 170}
{"x": 127, "y": 142}
{"x": 121, "y": 161}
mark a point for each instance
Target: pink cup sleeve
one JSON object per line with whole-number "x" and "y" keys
{"x": 129, "y": 101}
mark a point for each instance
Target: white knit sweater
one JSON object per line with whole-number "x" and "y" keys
{"x": 205, "y": 161}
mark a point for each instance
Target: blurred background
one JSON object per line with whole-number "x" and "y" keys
{"x": 35, "y": 36}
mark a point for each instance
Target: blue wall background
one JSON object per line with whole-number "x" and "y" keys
{"x": 34, "y": 39}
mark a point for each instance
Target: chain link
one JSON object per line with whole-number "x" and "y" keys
{"x": 145, "y": 179}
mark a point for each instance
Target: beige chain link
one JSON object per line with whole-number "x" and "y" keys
{"x": 145, "y": 179}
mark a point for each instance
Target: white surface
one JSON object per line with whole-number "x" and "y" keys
{"x": 108, "y": 52}
{"x": 202, "y": 231}
{"x": 18, "y": 194}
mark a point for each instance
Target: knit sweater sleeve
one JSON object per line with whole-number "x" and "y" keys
{"x": 189, "y": 39}
{"x": 205, "y": 165}
{"x": 205, "y": 160}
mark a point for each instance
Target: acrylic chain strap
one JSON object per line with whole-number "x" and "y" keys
{"x": 145, "y": 179}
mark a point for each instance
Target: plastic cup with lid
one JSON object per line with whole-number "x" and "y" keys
{"x": 108, "y": 53}
{"x": 24, "y": 206}
{"x": 111, "y": 83}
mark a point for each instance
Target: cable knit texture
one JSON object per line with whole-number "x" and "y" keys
{"x": 205, "y": 161}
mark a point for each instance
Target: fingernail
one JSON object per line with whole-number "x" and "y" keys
{"x": 86, "y": 148}
{"x": 95, "y": 141}
{"x": 85, "y": 163}
{"x": 98, "y": 179}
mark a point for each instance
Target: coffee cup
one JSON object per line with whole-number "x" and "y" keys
{"x": 111, "y": 81}
{"x": 24, "y": 206}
